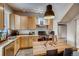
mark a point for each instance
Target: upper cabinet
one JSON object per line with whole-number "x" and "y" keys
{"x": 17, "y": 22}
{"x": 22, "y": 22}
{"x": 28, "y": 22}
{"x": 31, "y": 22}
{"x": 1, "y": 16}
{"x": 14, "y": 21}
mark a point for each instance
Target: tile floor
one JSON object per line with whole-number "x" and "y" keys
{"x": 25, "y": 52}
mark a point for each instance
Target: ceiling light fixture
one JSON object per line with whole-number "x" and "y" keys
{"x": 49, "y": 14}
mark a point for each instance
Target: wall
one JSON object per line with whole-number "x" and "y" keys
{"x": 71, "y": 32}
{"x": 62, "y": 31}
{"x": 55, "y": 27}
{"x": 77, "y": 31}
{"x": 7, "y": 12}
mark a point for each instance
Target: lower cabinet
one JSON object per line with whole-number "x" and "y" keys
{"x": 16, "y": 45}
{"x": 24, "y": 42}
{"x": 27, "y": 41}
{"x": 20, "y": 42}
{"x": 9, "y": 50}
{"x": 12, "y": 48}
{"x": 30, "y": 40}
{"x": 35, "y": 38}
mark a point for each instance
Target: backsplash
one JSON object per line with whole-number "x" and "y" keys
{"x": 35, "y": 31}
{"x": 25, "y": 31}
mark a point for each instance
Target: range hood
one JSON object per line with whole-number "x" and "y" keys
{"x": 41, "y": 22}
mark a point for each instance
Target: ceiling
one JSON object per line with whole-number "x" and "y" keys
{"x": 60, "y": 9}
{"x": 71, "y": 14}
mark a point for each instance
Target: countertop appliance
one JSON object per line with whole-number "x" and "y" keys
{"x": 41, "y": 32}
{"x": 14, "y": 33}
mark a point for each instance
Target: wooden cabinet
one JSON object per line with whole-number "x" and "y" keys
{"x": 27, "y": 41}
{"x": 12, "y": 48}
{"x": 1, "y": 16}
{"x": 17, "y": 22}
{"x": 9, "y": 50}
{"x": 24, "y": 42}
{"x": 20, "y": 42}
{"x": 32, "y": 39}
{"x": 14, "y": 21}
{"x": 35, "y": 38}
{"x": 31, "y": 22}
{"x": 28, "y": 22}
{"x": 16, "y": 45}
{"x": 24, "y": 22}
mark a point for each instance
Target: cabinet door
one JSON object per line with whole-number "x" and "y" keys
{"x": 35, "y": 38}
{"x": 24, "y": 22}
{"x": 12, "y": 21}
{"x": 30, "y": 41}
{"x": 17, "y": 45}
{"x": 9, "y": 50}
{"x": 32, "y": 22}
{"x": 24, "y": 42}
{"x": 1, "y": 16}
{"x": 17, "y": 22}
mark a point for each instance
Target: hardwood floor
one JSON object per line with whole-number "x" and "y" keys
{"x": 25, "y": 52}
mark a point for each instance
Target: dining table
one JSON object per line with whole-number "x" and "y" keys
{"x": 41, "y": 47}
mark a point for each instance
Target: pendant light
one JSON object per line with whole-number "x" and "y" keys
{"x": 49, "y": 14}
